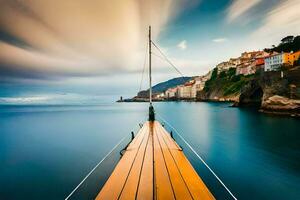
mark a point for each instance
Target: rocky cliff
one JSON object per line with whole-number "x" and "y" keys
{"x": 270, "y": 92}
{"x": 273, "y": 92}
{"x": 225, "y": 86}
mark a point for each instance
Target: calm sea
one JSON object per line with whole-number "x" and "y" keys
{"x": 45, "y": 151}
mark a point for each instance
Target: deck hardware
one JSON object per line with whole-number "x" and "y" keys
{"x": 132, "y": 135}
{"x": 125, "y": 148}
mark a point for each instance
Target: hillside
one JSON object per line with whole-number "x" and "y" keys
{"x": 224, "y": 86}
{"x": 163, "y": 86}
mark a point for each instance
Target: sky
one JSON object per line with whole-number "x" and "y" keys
{"x": 54, "y": 51}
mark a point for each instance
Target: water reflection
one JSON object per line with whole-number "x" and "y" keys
{"x": 46, "y": 150}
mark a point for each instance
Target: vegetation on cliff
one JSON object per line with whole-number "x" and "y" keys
{"x": 225, "y": 83}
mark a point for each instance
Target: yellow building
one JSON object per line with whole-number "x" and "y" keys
{"x": 290, "y": 58}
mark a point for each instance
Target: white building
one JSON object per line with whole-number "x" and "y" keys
{"x": 198, "y": 85}
{"x": 274, "y": 62}
{"x": 185, "y": 91}
{"x": 171, "y": 93}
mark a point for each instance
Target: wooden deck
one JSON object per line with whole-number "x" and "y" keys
{"x": 154, "y": 167}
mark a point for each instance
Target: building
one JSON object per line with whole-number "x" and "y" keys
{"x": 242, "y": 63}
{"x": 185, "y": 91}
{"x": 245, "y": 69}
{"x": 198, "y": 85}
{"x": 275, "y": 61}
{"x": 250, "y": 62}
{"x": 225, "y": 66}
{"x": 171, "y": 93}
{"x": 292, "y": 57}
{"x": 260, "y": 60}
{"x": 235, "y": 61}
{"x": 250, "y": 55}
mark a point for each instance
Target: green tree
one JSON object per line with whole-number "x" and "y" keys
{"x": 214, "y": 74}
{"x": 222, "y": 74}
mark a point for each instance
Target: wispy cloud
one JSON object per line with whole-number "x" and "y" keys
{"x": 219, "y": 40}
{"x": 80, "y": 38}
{"x": 239, "y": 8}
{"x": 281, "y": 21}
{"x": 182, "y": 45}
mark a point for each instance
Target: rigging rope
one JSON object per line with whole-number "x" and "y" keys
{"x": 200, "y": 158}
{"x": 166, "y": 58}
{"x": 95, "y": 168}
{"x": 145, "y": 58}
{"x": 158, "y": 56}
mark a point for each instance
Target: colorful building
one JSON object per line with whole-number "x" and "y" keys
{"x": 275, "y": 61}
{"x": 171, "y": 93}
{"x": 245, "y": 68}
{"x": 292, "y": 57}
{"x": 260, "y": 60}
{"x": 250, "y": 55}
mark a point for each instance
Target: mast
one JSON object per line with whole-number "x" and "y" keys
{"x": 150, "y": 76}
{"x": 151, "y": 109}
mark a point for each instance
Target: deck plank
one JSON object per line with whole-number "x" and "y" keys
{"x": 195, "y": 184}
{"x": 145, "y": 189}
{"x": 179, "y": 186}
{"x": 115, "y": 183}
{"x": 163, "y": 189}
{"x": 154, "y": 167}
{"x": 130, "y": 188}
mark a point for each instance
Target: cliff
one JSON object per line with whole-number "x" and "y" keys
{"x": 225, "y": 86}
{"x": 273, "y": 93}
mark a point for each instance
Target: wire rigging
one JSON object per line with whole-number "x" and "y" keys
{"x": 199, "y": 157}
{"x": 145, "y": 58}
{"x": 166, "y": 58}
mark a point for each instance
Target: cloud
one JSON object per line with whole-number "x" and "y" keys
{"x": 281, "y": 21}
{"x": 53, "y": 98}
{"x": 219, "y": 40}
{"x": 239, "y": 8}
{"x": 182, "y": 45}
{"x": 79, "y": 38}
{"x": 23, "y": 100}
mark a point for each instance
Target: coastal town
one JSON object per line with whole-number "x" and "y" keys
{"x": 248, "y": 63}
{"x": 266, "y": 78}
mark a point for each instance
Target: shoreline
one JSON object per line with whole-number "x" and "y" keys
{"x": 271, "y": 112}
{"x": 170, "y": 100}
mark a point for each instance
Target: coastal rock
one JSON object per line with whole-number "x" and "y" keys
{"x": 281, "y": 105}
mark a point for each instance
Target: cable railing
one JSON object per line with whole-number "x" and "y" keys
{"x": 91, "y": 184}
{"x": 211, "y": 179}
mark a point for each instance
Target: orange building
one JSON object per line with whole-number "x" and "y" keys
{"x": 290, "y": 58}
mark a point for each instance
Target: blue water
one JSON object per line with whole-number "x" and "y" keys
{"x": 45, "y": 151}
